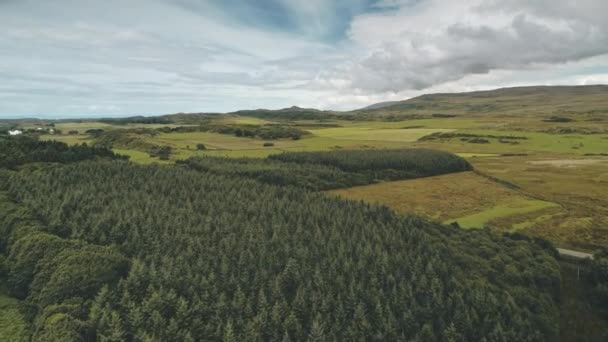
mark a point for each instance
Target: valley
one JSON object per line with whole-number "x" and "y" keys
{"x": 490, "y": 207}
{"x": 546, "y": 149}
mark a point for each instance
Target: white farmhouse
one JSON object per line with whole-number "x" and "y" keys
{"x": 15, "y": 132}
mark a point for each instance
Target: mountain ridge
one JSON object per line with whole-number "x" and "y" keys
{"x": 543, "y": 99}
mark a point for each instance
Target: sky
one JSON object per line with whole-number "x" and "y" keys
{"x": 91, "y": 58}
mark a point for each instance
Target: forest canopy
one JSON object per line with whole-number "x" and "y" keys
{"x": 331, "y": 170}
{"x": 20, "y": 150}
{"x": 108, "y": 250}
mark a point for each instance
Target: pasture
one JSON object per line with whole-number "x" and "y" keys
{"x": 481, "y": 201}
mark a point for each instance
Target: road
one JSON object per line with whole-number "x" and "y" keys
{"x": 574, "y": 254}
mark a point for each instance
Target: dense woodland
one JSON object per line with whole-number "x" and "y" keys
{"x": 416, "y": 162}
{"x": 598, "y": 278}
{"x": 332, "y": 170}
{"x": 110, "y": 251}
{"x": 19, "y": 150}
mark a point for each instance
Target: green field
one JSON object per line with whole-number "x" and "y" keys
{"x": 384, "y": 134}
{"x": 483, "y": 218}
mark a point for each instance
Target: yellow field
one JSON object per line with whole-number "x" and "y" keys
{"x": 467, "y": 198}
{"x": 579, "y": 185}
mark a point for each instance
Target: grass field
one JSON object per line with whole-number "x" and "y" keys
{"x": 244, "y": 120}
{"x": 523, "y": 102}
{"x": 383, "y": 134}
{"x": 510, "y": 209}
{"x": 68, "y": 139}
{"x": 216, "y": 141}
{"x": 481, "y": 201}
{"x": 578, "y": 184}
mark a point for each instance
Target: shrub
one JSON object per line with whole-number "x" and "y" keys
{"x": 558, "y": 119}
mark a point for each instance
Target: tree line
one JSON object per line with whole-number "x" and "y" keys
{"x": 332, "y": 170}
{"x": 416, "y": 162}
{"x": 19, "y": 150}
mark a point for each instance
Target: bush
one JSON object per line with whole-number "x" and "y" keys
{"x": 94, "y": 132}
{"x": 558, "y": 119}
{"x": 162, "y": 152}
{"x": 201, "y": 147}
{"x": 268, "y": 144}
{"x": 479, "y": 141}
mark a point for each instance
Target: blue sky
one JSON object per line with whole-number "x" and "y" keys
{"x": 89, "y": 58}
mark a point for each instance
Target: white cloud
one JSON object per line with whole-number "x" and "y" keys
{"x": 162, "y": 56}
{"x": 434, "y": 42}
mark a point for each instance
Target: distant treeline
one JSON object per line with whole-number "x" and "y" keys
{"x": 288, "y": 114}
{"x": 309, "y": 176}
{"x": 266, "y": 132}
{"x": 331, "y": 170}
{"x": 137, "y": 120}
{"x": 19, "y": 150}
{"x": 111, "y": 251}
{"x": 463, "y": 136}
{"x": 413, "y": 162}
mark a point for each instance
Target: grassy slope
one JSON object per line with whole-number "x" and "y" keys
{"x": 522, "y": 101}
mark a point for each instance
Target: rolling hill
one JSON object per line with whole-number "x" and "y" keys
{"x": 551, "y": 100}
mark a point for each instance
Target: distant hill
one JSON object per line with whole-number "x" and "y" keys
{"x": 381, "y": 105}
{"x": 292, "y": 113}
{"x": 521, "y": 100}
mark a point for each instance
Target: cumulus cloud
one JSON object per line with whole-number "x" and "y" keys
{"x": 433, "y": 42}
{"x": 161, "y": 56}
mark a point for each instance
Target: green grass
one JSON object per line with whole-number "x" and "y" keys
{"x": 140, "y": 157}
{"x": 479, "y": 220}
{"x": 81, "y": 127}
{"x": 476, "y": 155}
{"x": 532, "y": 222}
{"x": 529, "y": 101}
{"x": 245, "y": 120}
{"x": 13, "y": 327}
{"x": 385, "y": 134}
{"x": 68, "y": 139}
{"x": 556, "y": 143}
{"x": 439, "y": 123}
{"x": 216, "y": 141}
